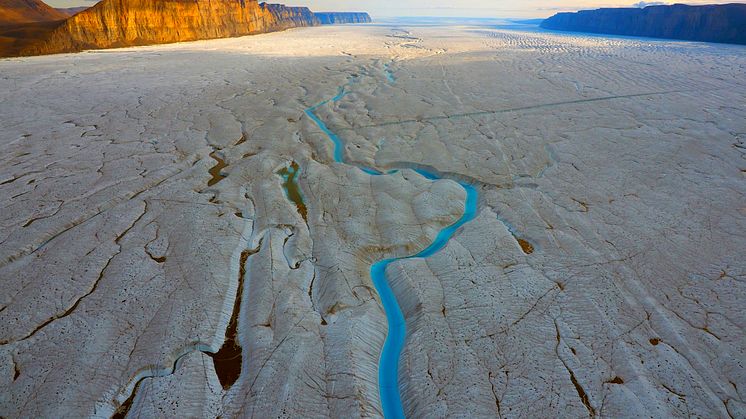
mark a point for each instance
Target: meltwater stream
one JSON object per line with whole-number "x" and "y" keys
{"x": 388, "y": 367}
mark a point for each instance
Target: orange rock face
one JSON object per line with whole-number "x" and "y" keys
{"x": 120, "y": 23}
{"x": 24, "y": 11}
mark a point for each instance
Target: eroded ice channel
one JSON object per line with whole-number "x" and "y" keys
{"x": 388, "y": 365}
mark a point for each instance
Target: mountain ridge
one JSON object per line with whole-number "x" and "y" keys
{"x": 71, "y": 11}
{"x": 337, "y": 18}
{"x": 709, "y": 23}
{"x": 124, "y": 23}
{"x": 14, "y": 12}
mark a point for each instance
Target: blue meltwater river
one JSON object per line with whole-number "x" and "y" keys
{"x": 388, "y": 366}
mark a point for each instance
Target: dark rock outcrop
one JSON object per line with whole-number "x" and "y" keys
{"x": 13, "y": 12}
{"x": 713, "y": 23}
{"x": 122, "y": 23}
{"x": 291, "y": 17}
{"x": 71, "y": 11}
{"x": 335, "y": 18}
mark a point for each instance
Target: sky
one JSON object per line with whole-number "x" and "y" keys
{"x": 457, "y": 8}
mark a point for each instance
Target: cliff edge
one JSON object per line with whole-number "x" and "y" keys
{"x": 712, "y": 23}
{"x": 123, "y": 23}
{"x": 335, "y": 18}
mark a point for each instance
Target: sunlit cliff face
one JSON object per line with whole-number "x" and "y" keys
{"x": 117, "y": 23}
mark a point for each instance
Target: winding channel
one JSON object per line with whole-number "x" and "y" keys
{"x": 388, "y": 367}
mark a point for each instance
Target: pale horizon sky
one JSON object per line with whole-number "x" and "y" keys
{"x": 446, "y": 8}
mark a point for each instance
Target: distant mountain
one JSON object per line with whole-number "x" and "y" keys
{"x": 333, "y": 18}
{"x": 714, "y": 23}
{"x": 71, "y": 11}
{"x": 527, "y": 21}
{"x": 121, "y": 23}
{"x": 13, "y": 12}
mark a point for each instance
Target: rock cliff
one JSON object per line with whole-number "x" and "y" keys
{"x": 714, "y": 23}
{"x": 122, "y": 23}
{"x": 23, "y": 11}
{"x": 291, "y": 17}
{"x": 333, "y": 18}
